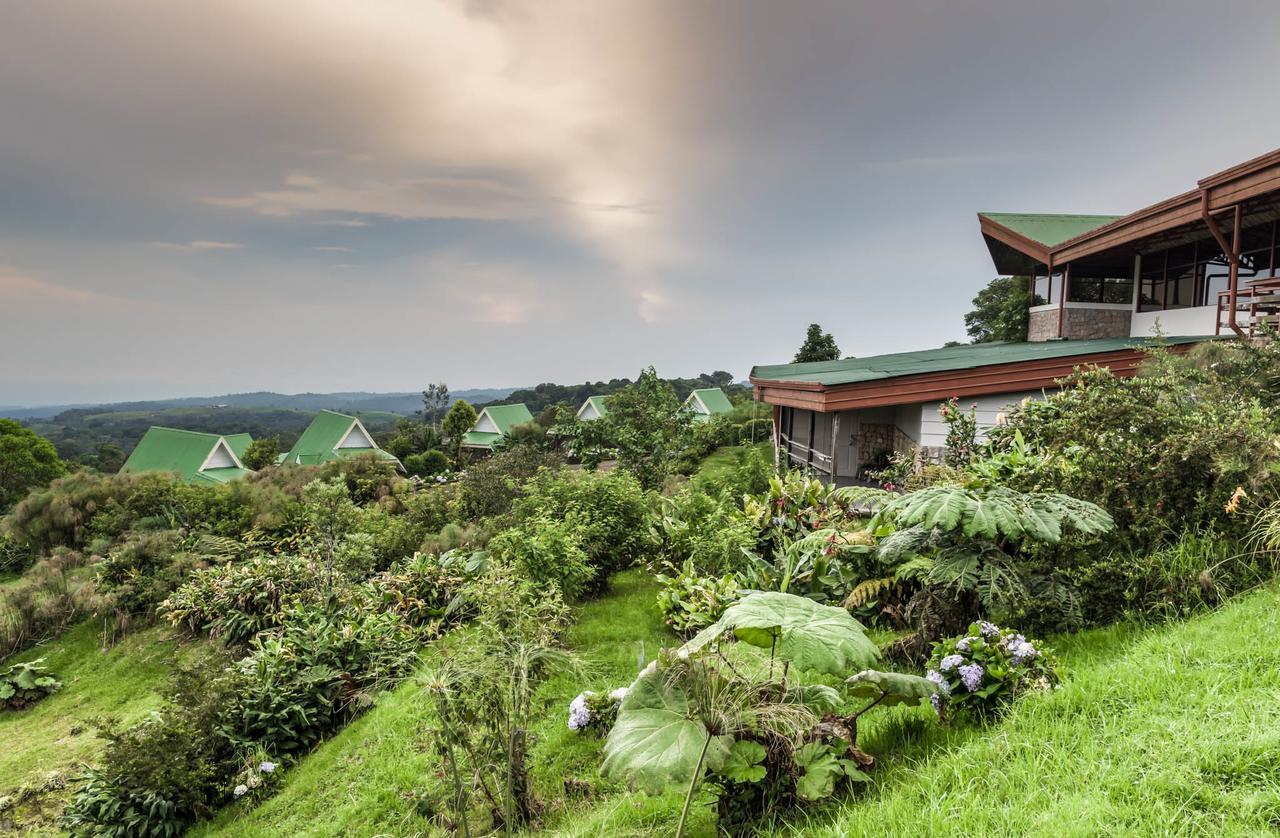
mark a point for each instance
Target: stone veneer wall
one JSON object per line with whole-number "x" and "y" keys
{"x": 875, "y": 437}
{"x": 1089, "y": 323}
{"x": 1042, "y": 326}
{"x": 1079, "y": 324}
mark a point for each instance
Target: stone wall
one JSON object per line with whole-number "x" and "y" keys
{"x": 1089, "y": 323}
{"x": 1042, "y": 326}
{"x": 875, "y": 438}
{"x": 1079, "y": 324}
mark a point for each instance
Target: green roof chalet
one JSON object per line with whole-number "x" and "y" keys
{"x": 196, "y": 457}
{"x": 707, "y": 403}
{"x": 494, "y": 423}
{"x": 592, "y": 408}
{"x": 335, "y": 436}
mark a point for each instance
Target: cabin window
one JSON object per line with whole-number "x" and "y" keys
{"x": 1194, "y": 274}
{"x": 1111, "y": 290}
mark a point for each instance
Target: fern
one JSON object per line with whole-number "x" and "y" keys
{"x": 867, "y": 590}
{"x": 994, "y": 513}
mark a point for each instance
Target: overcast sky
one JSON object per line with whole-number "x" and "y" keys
{"x": 302, "y": 195}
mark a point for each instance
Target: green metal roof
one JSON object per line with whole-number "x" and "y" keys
{"x": 598, "y": 403}
{"x": 480, "y": 439}
{"x": 714, "y": 399}
{"x": 319, "y": 442}
{"x": 1048, "y": 229}
{"x": 507, "y": 416}
{"x": 966, "y": 356}
{"x": 184, "y": 452}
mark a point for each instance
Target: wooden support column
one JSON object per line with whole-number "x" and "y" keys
{"x": 1232, "y": 252}
{"x": 835, "y": 445}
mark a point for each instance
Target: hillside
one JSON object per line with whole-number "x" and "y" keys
{"x": 1102, "y": 751}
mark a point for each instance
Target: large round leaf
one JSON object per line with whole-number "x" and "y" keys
{"x": 656, "y": 739}
{"x": 818, "y": 638}
{"x": 892, "y": 687}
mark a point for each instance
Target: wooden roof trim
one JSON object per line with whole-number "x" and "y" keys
{"x": 1017, "y": 241}
{"x": 1224, "y": 189}
{"x": 915, "y": 389}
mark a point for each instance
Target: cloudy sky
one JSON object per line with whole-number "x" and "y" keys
{"x": 319, "y": 195}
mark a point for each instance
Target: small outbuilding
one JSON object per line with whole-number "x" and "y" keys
{"x": 335, "y": 436}
{"x": 592, "y": 408}
{"x": 493, "y": 424}
{"x": 197, "y": 457}
{"x": 708, "y": 403}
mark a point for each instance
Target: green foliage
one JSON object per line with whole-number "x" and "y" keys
{"x": 818, "y": 346}
{"x": 816, "y": 638}
{"x": 546, "y": 551}
{"x": 608, "y": 515}
{"x": 491, "y": 486}
{"x": 237, "y": 601}
{"x": 25, "y": 683}
{"x": 1000, "y": 311}
{"x": 744, "y": 763}
{"x": 53, "y": 594}
{"x": 820, "y": 766}
{"x": 1162, "y": 452}
{"x": 143, "y": 570}
{"x": 261, "y": 453}
{"x": 981, "y": 672}
{"x": 426, "y": 463}
{"x": 962, "y": 431}
{"x": 460, "y": 419}
{"x": 305, "y": 681}
{"x": 994, "y": 513}
{"x": 708, "y": 532}
{"x": 157, "y": 777}
{"x": 689, "y": 602}
{"x": 27, "y": 461}
{"x": 645, "y": 426}
{"x": 890, "y": 689}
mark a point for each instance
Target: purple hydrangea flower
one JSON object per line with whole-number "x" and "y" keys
{"x": 950, "y": 662}
{"x": 1023, "y": 652}
{"x": 938, "y": 678}
{"x": 579, "y": 713}
{"x": 963, "y": 643}
{"x": 988, "y": 629}
{"x": 971, "y": 675}
{"x": 936, "y": 700}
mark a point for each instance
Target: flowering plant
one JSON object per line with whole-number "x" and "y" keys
{"x": 257, "y": 778}
{"x": 986, "y": 668}
{"x": 591, "y": 712}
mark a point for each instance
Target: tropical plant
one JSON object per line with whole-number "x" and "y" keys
{"x": 689, "y": 603}
{"x": 237, "y": 601}
{"x": 984, "y": 670}
{"x": 460, "y": 419}
{"x": 23, "y": 684}
{"x": 592, "y": 712}
{"x": 1000, "y": 311}
{"x": 686, "y": 713}
{"x": 262, "y": 452}
{"x": 646, "y": 428}
{"x": 27, "y": 461}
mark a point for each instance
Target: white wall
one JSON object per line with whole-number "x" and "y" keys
{"x": 1199, "y": 320}
{"x": 588, "y": 412}
{"x": 356, "y": 438}
{"x": 485, "y": 425}
{"x": 220, "y": 457}
{"x": 933, "y": 431}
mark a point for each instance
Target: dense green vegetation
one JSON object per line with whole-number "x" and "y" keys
{"x": 687, "y": 642}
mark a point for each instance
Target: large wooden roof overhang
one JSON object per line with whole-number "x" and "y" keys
{"x": 992, "y": 379}
{"x": 1109, "y": 249}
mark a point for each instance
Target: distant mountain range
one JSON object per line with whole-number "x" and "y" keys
{"x": 403, "y": 403}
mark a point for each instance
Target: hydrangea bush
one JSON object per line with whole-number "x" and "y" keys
{"x": 985, "y": 669}
{"x": 590, "y": 712}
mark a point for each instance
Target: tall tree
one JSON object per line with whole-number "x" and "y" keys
{"x": 647, "y": 428}
{"x": 456, "y": 423}
{"x": 818, "y": 346}
{"x": 435, "y": 399}
{"x": 27, "y": 461}
{"x": 261, "y": 452}
{"x": 999, "y": 311}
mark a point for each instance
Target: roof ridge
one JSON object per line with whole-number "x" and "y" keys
{"x": 183, "y": 431}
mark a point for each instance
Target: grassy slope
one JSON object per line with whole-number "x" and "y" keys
{"x": 1169, "y": 731}
{"x": 1158, "y": 731}
{"x": 724, "y": 460}
{"x": 55, "y": 736}
{"x": 363, "y": 781}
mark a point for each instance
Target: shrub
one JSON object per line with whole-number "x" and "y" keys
{"x": 143, "y": 570}
{"x": 60, "y": 514}
{"x": 609, "y": 512}
{"x": 237, "y": 601}
{"x": 710, "y": 532}
{"x": 427, "y": 463}
{"x": 52, "y": 594}
{"x": 160, "y": 776}
{"x": 424, "y": 591}
{"x": 430, "y": 507}
{"x": 689, "y": 603}
{"x": 490, "y": 487}
{"x": 590, "y": 712}
{"x": 548, "y": 552}
{"x": 14, "y": 557}
{"x": 981, "y": 672}
{"x": 305, "y": 681}
{"x": 27, "y": 460}
{"x": 23, "y": 684}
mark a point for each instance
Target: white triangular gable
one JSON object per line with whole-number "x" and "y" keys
{"x": 694, "y": 403}
{"x": 221, "y": 457}
{"x": 588, "y": 411}
{"x": 356, "y": 437}
{"x": 485, "y": 424}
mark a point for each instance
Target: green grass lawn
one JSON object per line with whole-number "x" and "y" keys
{"x": 1170, "y": 730}
{"x": 366, "y": 780}
{"x": 51, "y": 739}
{"x": 724, "y": 460}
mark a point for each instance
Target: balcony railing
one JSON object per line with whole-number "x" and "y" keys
{"x": 1257, "y": 305}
